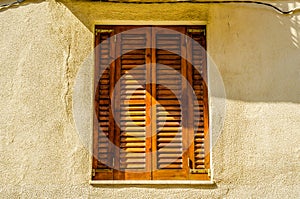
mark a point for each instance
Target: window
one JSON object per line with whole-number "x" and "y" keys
{"x": 151, "y": 103}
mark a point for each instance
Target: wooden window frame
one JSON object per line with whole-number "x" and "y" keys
{"x": 191, "y": 181}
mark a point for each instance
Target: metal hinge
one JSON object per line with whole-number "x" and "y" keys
{"x": 103, "y": 31}
{"x": 196, "y": 31}
{"x": 103, "y": 170}
{"x": 200, "y": 171}
{"x": 100, "y": 170}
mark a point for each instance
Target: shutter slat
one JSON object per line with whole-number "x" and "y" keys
{"x": 135, "y": 134}
{"x": 134, "y": 52}
{"x": 134, "y": 118}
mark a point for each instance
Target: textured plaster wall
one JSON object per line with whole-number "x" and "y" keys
{"x": 43, "y": 46}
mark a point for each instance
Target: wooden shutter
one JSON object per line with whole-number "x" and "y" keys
{"x": 171, "y": 160}
{"x": 103, "y": 124}
{"x": 133, "y": 99}
{"x": 199, "y": 161}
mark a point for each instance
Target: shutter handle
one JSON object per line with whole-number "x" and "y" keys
{"x": 190, "y": 163}
{"x": 148, "y": 55}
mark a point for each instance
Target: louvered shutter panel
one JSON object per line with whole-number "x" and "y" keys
{"x": 169, "y": 68}
{"x": 104, "y": 127}
{"x": 199, "y": 155}
{"x": 133, "y": 102}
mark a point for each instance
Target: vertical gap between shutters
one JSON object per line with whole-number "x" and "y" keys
{"x": 153, "y": 104}
{"x": 185, "y": 115}
{"x": 116, "y": 173}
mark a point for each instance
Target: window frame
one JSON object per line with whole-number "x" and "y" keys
{"x": 161, "y": 24}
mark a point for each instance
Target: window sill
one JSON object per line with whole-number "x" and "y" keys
{"x": 151, "y": 182}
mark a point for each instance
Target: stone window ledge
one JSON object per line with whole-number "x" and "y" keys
{"x": 151, "y": 182}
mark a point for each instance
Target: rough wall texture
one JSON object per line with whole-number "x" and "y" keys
{"x": 43, "y": 45}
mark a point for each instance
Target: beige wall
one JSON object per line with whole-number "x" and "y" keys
{"x": 43, "y": 46}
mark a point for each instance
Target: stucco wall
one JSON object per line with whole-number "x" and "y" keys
{"x": 43, "y": 46}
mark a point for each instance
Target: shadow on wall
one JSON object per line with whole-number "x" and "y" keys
{"x": 291, "y": 28}
{"x": 15, "y": 5}
{"x": 88, "y": 11}
{"x": 266, "y": 70}
{"x": 294, "y": 22}
{"x": 262, "y": 62}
